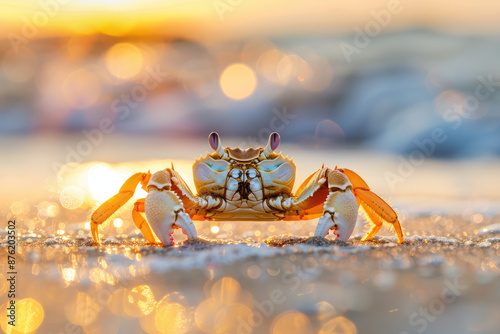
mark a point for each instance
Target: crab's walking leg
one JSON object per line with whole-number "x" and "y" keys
{"x": 340, "y": 210}
{"x": 141, "y": 223}
{"x": 109, "y": 207}
{"x": 376, "y": 209}
{"x": 164, "y": 209}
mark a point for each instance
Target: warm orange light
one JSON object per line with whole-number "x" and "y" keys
{"x": 69, "y": 274}
{"x": 291, "y": 322}
{"x": 171, "y": 318}
{"x": 338, "y": 325}
{"x": 29, "y": 316}
{"x": 83, "y": 310}
{"x": 226, "y": 290}
{"x": 238, "y": 81}
{"x": 71, "y": 198}
{"x": 118, "y": 222}
{"x": 124, "y": 60}
{"x": 141, "y": 301}
{"x": 104, "y": 181}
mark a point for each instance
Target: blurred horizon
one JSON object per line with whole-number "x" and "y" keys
{"x": 311, "y": 90}
{"x": 201, "y": 19}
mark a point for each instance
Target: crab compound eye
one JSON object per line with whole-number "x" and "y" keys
{"x": 251, "y": 173}
{"x": 213, "y": 140}
{"x": 236, "y": 173}
{"x": 274, "y": 140}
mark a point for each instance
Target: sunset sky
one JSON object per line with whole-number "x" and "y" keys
{"x": 222, "y": 19}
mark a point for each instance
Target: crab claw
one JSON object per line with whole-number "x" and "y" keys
{"x": 186, "y": 224}
{"x": 164, "y": 209}
{"x": 325, "y": 224}
{"x": 340, "y": 209}
{"x": 341, "y": 227}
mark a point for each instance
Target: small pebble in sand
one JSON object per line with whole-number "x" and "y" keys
{"x": 50, "y": 242}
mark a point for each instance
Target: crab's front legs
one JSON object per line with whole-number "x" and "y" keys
{"x": 340, "y": 210}
{"x": 164, "y": 209}
{"x": 106, "y": 209}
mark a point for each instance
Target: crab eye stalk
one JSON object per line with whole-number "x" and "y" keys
{"x": 272, "y": 144}
{"x": 215, "y": 143}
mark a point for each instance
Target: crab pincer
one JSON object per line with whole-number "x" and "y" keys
{"x": 340, "y": 208}
{"x": 164, "y": 209}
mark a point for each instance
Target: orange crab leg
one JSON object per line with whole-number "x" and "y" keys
{"x": 109, "y": 207}
{"x": 376, "y": 209}
{"x": 141, "y": 223}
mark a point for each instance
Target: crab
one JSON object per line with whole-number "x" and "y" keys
{"x": 254, "y": 184}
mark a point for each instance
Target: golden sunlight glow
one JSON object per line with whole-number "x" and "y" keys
{"x": 171, "y": 318}
{"x": 141, "y": 301}
{"x": 83, "y": 310}
{"x": 3, "y": 284}
{"x": 338, "y": 325}
{"x": 124, "y": 60}
{"x": 118, "y": 222}
{"x": 104, "y": 181}
{"x": 214, "y": 229}
{"x": 71, "y": 198}
{"x": 29, "y": 316}
{"x": 226, "y": 290}
{"x": 238, "y": 81}
{"x": 69, "y": 274}
{"x": 291, "y": 322}
{"x": 228, "y": 303}
{"x": 228, "y": 319}
{"x": 205, "y": 314}
{"x": 293, "y": 67}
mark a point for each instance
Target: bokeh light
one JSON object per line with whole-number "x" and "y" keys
{"x": 338, "y": 325}
{"x": 29, "y": 316}
{"x": 118, "y": 223}
{"x": 140, "y": 301}
{"x": 171, "y": 318}
{"x": 238, "y": 81}
{"x": 71, "y": 197}
{"x": 291, "y": 322}
{"x": 124, "y": 60}
{"x": 83, "y": 310}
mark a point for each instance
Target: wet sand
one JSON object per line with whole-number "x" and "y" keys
{"x": 448, "y": 283}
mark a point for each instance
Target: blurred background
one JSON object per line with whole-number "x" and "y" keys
{"x": 406, "y": 93}
{"x": 400, "y": 91}
{"x": 381, "y": 74}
